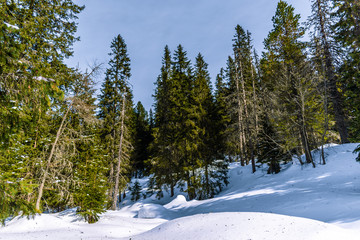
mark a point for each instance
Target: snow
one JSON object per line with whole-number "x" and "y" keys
{"x": 245, "y": 225}
{"x": 11, "y": 26}
{"x": 301, "y": 202}
{"x": 41, "y": 78}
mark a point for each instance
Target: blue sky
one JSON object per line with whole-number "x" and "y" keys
{"x": 205, "y": 26}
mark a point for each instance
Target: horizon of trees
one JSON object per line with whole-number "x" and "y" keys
{"x": 63, "y": 147}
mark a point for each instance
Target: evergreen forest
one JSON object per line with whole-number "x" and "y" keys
{"x": 63, "y": 146}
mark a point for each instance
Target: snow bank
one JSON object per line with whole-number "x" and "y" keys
{"x": 245, "y": 226}
{"x": 150, "y": 211}
{"x": 179, "y": 201}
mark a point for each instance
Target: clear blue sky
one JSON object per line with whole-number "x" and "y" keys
{"x": 205, "y": 26}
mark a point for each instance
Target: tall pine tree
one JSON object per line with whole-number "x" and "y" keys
{"x": 116, "y": 110}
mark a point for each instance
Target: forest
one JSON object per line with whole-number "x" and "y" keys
{"x": 61, "y": 146}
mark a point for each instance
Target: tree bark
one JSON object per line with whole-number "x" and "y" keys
{"x": 43, "y": 180}
{"x": 240, "y": 127}
{"x": 118, "y": 168}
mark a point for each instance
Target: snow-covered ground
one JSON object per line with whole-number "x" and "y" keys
{"x": 298, "y": 203}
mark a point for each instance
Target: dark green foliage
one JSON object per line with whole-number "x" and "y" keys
{"x": 116, "y": 115}
{"x": 288, "y": 79}
{"x": 347, "y": 32}
{"x": 357, "y": 150}
{"x": 270, "y": 147}
{"x": 186, "y": 129}
{"x": 12, "y": 200}
{"x": 142, "y": 140}
{"x": 135, "y": 191}
{"x": 89, "y": 190}
{"x": 165, "y": 157}
{"x": 32, "y": 83}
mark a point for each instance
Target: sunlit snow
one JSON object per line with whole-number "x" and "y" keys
{"x": 298, "y": 203}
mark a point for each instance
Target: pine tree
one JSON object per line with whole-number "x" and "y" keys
{"x": 347, "y": 32}
{"x": 347, "y": 28}
{"x": 326, "y": 49}
{"x": 288, "y": 77}
{"x": 32, "y": 80}
{"x": 222, "y": 119}
{"x": 270, "y": 147}
{"x": 245, "y": 88}
{"x": 116, "y": 109}
{"x": 89, "y": 181}
{"x": 164, "y": 159}
{"x": 135, "y": 191}
{"x": 212, "y": 171}
{"x": 142, "y": 140}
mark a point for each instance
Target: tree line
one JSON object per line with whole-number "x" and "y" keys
{"x": 62, "y": 146}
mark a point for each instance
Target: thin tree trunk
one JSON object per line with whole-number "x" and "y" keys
{"x": 118, "y": 168}
{"x": 247, "y": 120}
{"x": 240, "y": 127}
{"x": 111, "y": 180}
{"x": 256, "y": 120}
{"x": 207, "y": 182}
{"x": 326, "y": 123}
{"x": 305, "y": 140}
{"x": 43, "y": 180}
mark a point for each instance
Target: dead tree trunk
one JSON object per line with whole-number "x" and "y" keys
{"x": 46, "y": 172}
{"x": 240, "y": 120}
{"x": 118, "y": 167}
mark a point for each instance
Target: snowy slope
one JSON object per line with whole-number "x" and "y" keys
{"x": 320, "y": 203}
{"x": 215, "y": 226}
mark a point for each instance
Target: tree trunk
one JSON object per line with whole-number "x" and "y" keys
{"x": 118, "y": 168}
{"x": 207, "y": 182}
{"x": 305, "y": 141}
{"x": 240, "y": 127}
{"x": 256, "y": 120}
{"x": 43, "y": 179}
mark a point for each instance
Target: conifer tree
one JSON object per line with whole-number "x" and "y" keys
{"x": 142, "y": 140}
{"x": 35, "y": 38}
{"x": 212, "y": 171}
{"x": 89, "y": 181}
{"x": 222, "y": 118}
{"x": 270, "y": 147}
{"x": 116, "y": 111}
{"x": 326, "y": 53}
{"x": 245, "y": 88}
{"x": 242, "y": 95}
{"x": 288, "y": 76}
{"x": 164, "y": 162}
{"x": 346, "y": 27}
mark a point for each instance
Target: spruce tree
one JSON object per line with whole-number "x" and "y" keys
{"x": 288, "y": 75}
{"x": 245, "y": 88}
{"x": 89, "y": 181}
{"x": 212, "y": 170}
{"x": 164, "y": 160}
{"x": 116, "y": 110}
{"x": 325, "y": 47}
{"x": 270, "y": 147}
{"x": 35, "y": 38}
{"x": 347, "y": 32}
{"x": 142, "y": 140}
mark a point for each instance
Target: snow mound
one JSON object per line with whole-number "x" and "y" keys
{"x": 38, "y": 223}
{"x": 179, "y": 201}
{"x": 245, "y": 226}
{"x": 151, "y": 210}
